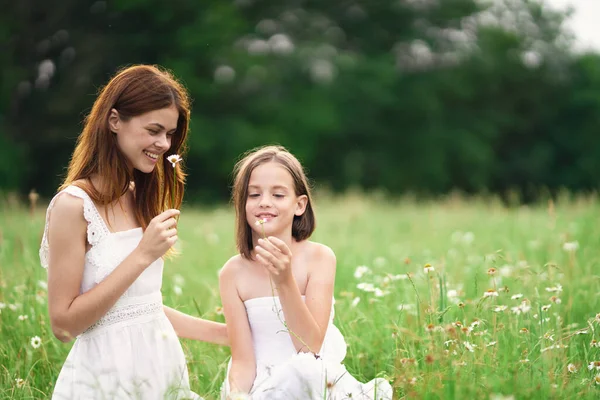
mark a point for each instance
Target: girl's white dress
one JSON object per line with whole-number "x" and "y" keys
{"x": 283, "y": 373}
{"x": 132, "y": 352}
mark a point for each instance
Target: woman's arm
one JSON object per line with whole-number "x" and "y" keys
{"x": 243, "y": 363}
{"x": 307, "y": 320}
{"x": 71, "y": 313}
{"x": 189, "y": 327}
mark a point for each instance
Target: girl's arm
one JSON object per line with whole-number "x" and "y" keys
{"x": 190, "y": 327}
{"x": 306, "y": 320}
{"x": 71, "y": 313}
{"x": 243, "y": 363}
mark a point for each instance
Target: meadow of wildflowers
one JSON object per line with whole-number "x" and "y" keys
{"x": 454, "y": 299}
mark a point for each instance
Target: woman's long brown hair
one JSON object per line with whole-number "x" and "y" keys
{"x": 132, "y": 91}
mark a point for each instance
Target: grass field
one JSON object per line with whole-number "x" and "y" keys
{"x": 508, "y": 309}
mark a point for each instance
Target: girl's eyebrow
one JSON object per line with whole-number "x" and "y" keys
{"x": 283, "y": 187}
{"x": 280, "y": 187}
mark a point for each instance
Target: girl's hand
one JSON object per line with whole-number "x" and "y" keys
{"x": 274, "y": 254}
{"x": 160, "y": 235}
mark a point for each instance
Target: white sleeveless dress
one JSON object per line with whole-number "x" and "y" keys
{"x": 283, "y": 373}
{"x": 132, "y": 352}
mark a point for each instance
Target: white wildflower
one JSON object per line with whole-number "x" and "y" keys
{"x": 497, "y": 396}
{"x": 555, "y": 289}
{"x": 516, "y": 296}
{"x": 179, "y": 280}
{"x": 406, "y": 307}
{"x": 571, "y": 246}
{"x": 470, "y": 346}
{"x": 260, "y": 221}
{"x": 23, "y": 317}
{"x": 36, "y": 342}
{"x": 506, "y": 271}
{"x": 177, "y": 290}
{"x": 379, "y": 262}
{"x": 355, "y": 301}
{"x": 571, "y": 368}
{"x": 594, "y": 365}
{"x": 174, "y": 159}
{"x": 361, "y": 270}
{"x": 366, "y": 287}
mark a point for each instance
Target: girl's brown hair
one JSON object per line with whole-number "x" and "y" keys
{"x": 132, "y": 91}
{"x": 303, "y": 225}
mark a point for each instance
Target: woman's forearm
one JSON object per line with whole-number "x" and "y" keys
{"x": 87, "y": 308}
{"x": 189, "y": 327}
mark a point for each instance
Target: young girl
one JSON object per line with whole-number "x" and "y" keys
{"x": 277, "y": 293}
{"x": 106, "y": 233}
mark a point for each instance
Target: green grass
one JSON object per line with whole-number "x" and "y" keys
{"x": 421, "y": 347}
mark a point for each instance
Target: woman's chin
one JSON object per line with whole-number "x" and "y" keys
{"x": 145, "y": 169}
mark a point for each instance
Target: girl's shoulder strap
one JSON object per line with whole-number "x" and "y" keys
{"x": 96, "y": 229}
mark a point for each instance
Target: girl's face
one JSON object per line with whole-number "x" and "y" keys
{"x": 272, "y": 199}
{"x": 145, "y": 138}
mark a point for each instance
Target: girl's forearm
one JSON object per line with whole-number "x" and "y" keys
{"x": 304, "y": 330}
{"x": 241, "y": 377}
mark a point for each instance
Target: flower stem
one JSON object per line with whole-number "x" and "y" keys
{"x": 174, "y": 186}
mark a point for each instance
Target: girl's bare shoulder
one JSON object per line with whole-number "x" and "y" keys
{"x": 318, "y": 252}
{"x": 233, "y": 266}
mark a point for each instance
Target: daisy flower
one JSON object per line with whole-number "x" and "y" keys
{"x": 36, "y": 342}
{"x": 174, "y": 159}
{"x": 594, "y": 365}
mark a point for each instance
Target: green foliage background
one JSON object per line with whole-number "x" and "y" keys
{"x": 408, "y": 96}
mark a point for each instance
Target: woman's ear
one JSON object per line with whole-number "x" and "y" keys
{"x": 114, "y": 122}
{"x": 301, "y": 203}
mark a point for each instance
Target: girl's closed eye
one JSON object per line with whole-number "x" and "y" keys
{"x": 279, "y": 195}
{"x": 253, "y": 195}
